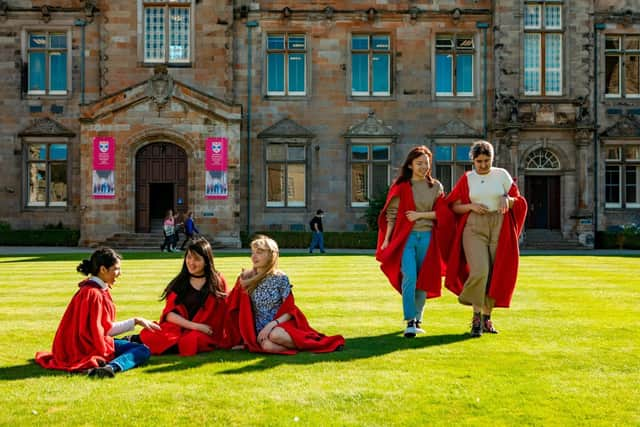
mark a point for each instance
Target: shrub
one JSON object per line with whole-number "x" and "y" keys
{"x": 46, "y": 237}
{"x": 373, "y": 210}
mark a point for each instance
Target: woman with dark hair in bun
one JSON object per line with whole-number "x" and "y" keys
{"x": 84, "y": 339}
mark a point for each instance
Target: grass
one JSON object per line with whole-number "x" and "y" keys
{"x": 567, "y": 352}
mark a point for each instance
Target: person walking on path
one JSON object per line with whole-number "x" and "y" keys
{"x": 317, "y": 237}
{"x": 483, "y": 262}
{"x": 407, "y": 246}
{"x": 190, "y": 229}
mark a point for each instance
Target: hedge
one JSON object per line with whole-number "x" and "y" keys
{"x": 46, "y": 237}
{"x": 617, "y": 240}
{"x": 332, "y": 239}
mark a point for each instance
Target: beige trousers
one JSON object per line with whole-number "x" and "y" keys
{"x": 479, "y": 241}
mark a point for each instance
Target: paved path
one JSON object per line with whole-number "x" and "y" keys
{"x": 24, "y": 250}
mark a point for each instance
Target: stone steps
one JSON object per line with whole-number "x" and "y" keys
{"x": 150, "y": 241}
{"x": 550, "y": 240}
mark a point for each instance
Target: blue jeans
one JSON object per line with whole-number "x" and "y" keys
{"x": 129, "y": 354}
{"x": 317, "y": 241}
{"x": 415, "y": 250}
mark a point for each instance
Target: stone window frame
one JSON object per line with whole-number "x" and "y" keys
{"x": 623, "y": 54}
{"x": 287, "y": 143}
{"x": 455, "y": 52}
{"x": 306, "y": 51}
{"x": 618, "y": 164}
{"x": 47, "y": 93}
{"x": 542, "y": 159}
{"x": 26, "y": 161}
{"x": 370, "y": 162}
{"x": 142, "y": 5}
{"x": 543, "y": 31}
{"x": 457, "y": 162}
{"x": 370, "y": 94}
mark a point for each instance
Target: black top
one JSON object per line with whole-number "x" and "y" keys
{"x": 192, "y": 301}
{"x": 316, "y": 220}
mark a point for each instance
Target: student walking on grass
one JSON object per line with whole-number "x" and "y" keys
{"x": 317, "y": 230}
{"x": 193, "y": 317}
{"x": 263, "y": 312}
{"x": 483, "y": 261}
{"x": 407, "y": 246}
{"x": 84, "y": 339}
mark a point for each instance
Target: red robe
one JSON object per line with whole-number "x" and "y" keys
{"x": 433, "y": 266}
{"x": 241, "y": 326}
{"x": 505, "y": 266}
{"x": 189, "y": 341}
{"x": 81, "y": 341}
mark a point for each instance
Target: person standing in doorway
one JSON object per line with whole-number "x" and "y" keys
{"x": 317, "y": 238}
{"x": 168, "y": 231}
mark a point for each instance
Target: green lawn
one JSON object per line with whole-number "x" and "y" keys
{"x": 567, "y": 352}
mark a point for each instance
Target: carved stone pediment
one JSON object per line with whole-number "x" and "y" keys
{"x": 286, "y": 128}
{"x": 371, "y": 127}
{"x": 627, "y": 126}
{"x": 46, "y": 127}
{"x": 160, "y": 87}
{"x": 456, "y": 127}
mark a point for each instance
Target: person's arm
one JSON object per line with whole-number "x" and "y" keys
{"x": 390, "y": 215}
{"x": 415, "y": 215}
{"x": 176, "y": 319}
{"x": 128, "y": 325}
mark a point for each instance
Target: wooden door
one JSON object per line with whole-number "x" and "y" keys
{"x": 543, "y": 196}
{"x": 161, "y": 179}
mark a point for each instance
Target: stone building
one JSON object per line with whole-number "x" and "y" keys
{"x": 314, "y": 104}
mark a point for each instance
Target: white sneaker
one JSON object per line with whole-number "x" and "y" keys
{"x": 419, "y": 330}
{"x": 410, "y": 331}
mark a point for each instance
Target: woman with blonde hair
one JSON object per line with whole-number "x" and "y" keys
{"x": 262, "y": 311}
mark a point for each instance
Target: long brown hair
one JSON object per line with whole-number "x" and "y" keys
{"x": 405, "y": 173}
{"x": 250, "y": 281}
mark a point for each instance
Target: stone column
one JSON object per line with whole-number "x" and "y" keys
{"x": 582, "y": 142}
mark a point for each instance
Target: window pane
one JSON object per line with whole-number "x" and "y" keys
{"x": 553, "y": 64}
{"x": 612, "y": 153}
{"x": 179, "y": 33}
{"x": 612, "y": 43}
{"x": 380, "y": 152}
{"x": 381, "y": 74}
{"x": 360, "y": 43}
{"x": 58, "y": 185}
{"x": 153, "y": 33}
{"x": 37, "y": 183}
{"x": 360, "y": 73}
{"x": 462, "y": 153}
{"x": 275, "y": 72}
{"x": 58, "y": 70}
{"x": 276, "y": 152}
{"x": 380, "y": 43}
{"x": 553, "y": 16}
{"x": 632, "y": 75}
{"x": 37, "y": 71}
{"x": 443, "y": 174}
{"x": 58, "y": 152}
{"x": 296, "y": 153}
{"x": 275, "y": 183}
{"x": 464, "y": 43}
{"x": 37, "y": 41}
{"x": 612, "y": 75}
{"x": 632, "y": 43}
{"x": 612, "y": 184}
{"x": 296, "y": 42}
{"x": 532, "y": 16}
{"x": 295, "y": 185}
{"x": 631, "y": 184}
{"x": 275, "y": 42}
{"x": 464, "y": 74}
{"x": 359, "y": 152}
{"x": 532, "y": 63}
{"x": 444, "y": 74}
{"x": 379, "y": 179}
{"x": 359, "y": 182}
{"x": 296, "y": 73}
{"x": 632, "y": 152}
{"x": 444, "y": 42}
{"x": 443, "y": 153}
{"x": 58, "y": 41}
{"x": 37, "y": 152}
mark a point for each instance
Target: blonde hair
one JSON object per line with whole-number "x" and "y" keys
{"x": 251, "y": 281}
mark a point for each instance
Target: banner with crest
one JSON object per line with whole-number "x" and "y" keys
{"x": 104, "y": 160}
{"x": 216, "y": 161}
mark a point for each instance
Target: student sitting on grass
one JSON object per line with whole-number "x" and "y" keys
{"x": 193, "y": 318}
{"x": 262, "y": 312}
{"x": 84, "y": 339}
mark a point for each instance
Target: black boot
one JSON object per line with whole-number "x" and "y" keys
{"x": 476, "y": 325}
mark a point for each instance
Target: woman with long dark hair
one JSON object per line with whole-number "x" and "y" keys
{"x": 193, "y": 317}
{"x": 407, "y": 248}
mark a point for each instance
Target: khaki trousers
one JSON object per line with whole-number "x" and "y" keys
{"x": 479, "y": 241}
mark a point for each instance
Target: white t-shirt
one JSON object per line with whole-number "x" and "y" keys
{"x": 488, "y": 188}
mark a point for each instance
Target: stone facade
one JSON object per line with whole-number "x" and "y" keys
{"x": 324, "y": 143}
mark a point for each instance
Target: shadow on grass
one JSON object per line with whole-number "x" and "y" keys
{"x": 31, "y": 370}
{"x": 355, "y": 349}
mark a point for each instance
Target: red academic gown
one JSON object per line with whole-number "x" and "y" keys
{"x": 190, "y": 342}
{"x": 505, "y": 266}
{"x": 433, "y": 266}
{"x": 81, "y": 341}
{"x": 241, "y": 326}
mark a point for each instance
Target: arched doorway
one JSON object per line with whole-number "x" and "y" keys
{"x": 543, "y": 190}
{"x": 161, "y": 184}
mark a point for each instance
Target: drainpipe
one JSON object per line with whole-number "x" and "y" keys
{"x": 250, "y": 26}
{"x": 82, "y": 24}
{"x": 484, "y": 26}
{"x": 596, "y": 151}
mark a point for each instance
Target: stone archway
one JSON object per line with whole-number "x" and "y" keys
{"x": 161, "y": 183}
